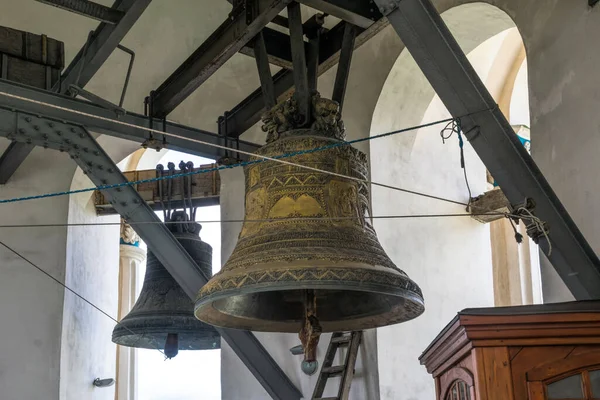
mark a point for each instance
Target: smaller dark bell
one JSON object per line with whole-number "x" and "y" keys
{"x": 164, "y": 310}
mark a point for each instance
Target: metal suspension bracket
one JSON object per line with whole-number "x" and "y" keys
{"x": 226, "y": 158}
{"x": 152, "y": 142}
{"x": 239, "y": 6}
{"x": 302, "y": 94}
{"x": 313, "y": 29}
{"x": 536, "y": 228}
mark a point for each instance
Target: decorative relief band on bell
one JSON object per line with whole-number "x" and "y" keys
{"x": 310, "y": 274}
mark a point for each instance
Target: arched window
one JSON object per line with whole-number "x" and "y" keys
{"x": 584, "y": 385}
{"x": 143, "y": 373}
{"x": 459, "y": 391}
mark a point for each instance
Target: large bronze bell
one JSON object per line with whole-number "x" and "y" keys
{"x": 163, "y": 315}
{"x": 307, "y": 258}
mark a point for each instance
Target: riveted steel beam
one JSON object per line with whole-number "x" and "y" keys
{"x": 101, "y": 120}
{"x": 76, "y": 141}
{"x": 446, "y": 67}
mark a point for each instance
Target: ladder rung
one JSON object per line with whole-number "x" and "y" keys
{"x": 333, "y": 371}
{"x": 341, "y": 340}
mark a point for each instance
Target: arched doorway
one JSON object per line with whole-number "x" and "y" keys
{"x": 453, "y": 259}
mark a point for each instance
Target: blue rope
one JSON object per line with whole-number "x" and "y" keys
{"x": 222, "y": 167}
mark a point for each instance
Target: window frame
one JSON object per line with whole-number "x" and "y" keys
{"x": 585, "y": 379}
{"x": 457, "y": 374}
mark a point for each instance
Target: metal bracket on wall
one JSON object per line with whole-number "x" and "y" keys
{"x": 441, "y": 59}
{"x": 97, "y": 165}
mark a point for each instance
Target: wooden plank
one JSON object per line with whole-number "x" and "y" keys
{"x": 350, "y": 363}
{"x": 513, "y": 351}
{"x": 564, "y": 366}
{"x": 479, "y": 374}
{"x": 34, "y": 48}
{"x": 498, "y": 379}
{"x": 506, "y": 321}
{"x": 546, "y": 331}
{"x": 449, "y": 362}
{"x": 205, "y": 186}
{"x": 530, "y": 358}
{"x": 536, "y": 391}
{"x": 454, "y": 335}
{"x": 536, "y": 342}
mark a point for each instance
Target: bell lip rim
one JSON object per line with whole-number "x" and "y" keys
{"x": 146, "y": 344}
{"x": 206, "y": 302}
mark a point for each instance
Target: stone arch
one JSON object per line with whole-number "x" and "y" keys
{"x": 471, "y": 24}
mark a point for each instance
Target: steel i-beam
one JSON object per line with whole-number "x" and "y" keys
{"x": 446, "y": 67}
{"x": 221, "y": 45}
{"x": 101, "y": 120}
{"x": 88, "y": 9}
{"x": 85, "y": 151}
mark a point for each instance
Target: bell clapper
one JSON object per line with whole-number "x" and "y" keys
{"x": 310, "y": 333}
{"x": 171, "y": 345}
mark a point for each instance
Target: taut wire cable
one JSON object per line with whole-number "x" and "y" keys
{"x": 262, "y": 158}
{"x": 74, "y": 292}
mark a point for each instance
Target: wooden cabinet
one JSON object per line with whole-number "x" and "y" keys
{"x": 541, "y": 352}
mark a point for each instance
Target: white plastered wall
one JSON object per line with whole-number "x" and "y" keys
{"x": 563, "y": 81}
{"x": 453, "y": 263}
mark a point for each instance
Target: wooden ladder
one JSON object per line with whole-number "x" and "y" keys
{"x": 345, "y": 370}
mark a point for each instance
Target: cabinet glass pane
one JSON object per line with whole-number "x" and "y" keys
{"x": 595, "y": 380}
{"x": 459, "y": 391}
{"x": 568, "y": 388}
